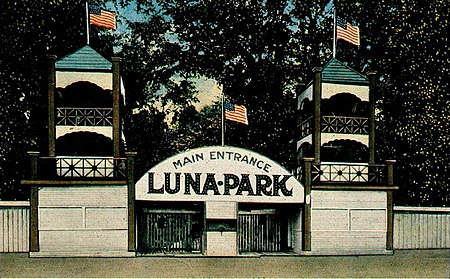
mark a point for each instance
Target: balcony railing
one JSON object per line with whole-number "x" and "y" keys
{"x": 305, "y": 127}
{"x": 348, "y": 173}
{"x": 82, "y": 167}
{"x": 84, "y": 116}
{"x": 345, "y": 125}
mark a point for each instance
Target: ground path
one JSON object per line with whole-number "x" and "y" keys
{"x": 425, "y": 263}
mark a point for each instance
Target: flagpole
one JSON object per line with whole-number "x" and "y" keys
{"x": 223, "y": 119}
{"x": 334, "y": 29}
{"x": 87, "y": 22}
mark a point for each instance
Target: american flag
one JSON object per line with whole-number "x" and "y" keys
{"x": 101, "y": 17}
{"x": 347, "y": 32}
{"x": 235, "y": 113}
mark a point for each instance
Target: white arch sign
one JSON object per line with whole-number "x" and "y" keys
{"x": 219, "y": 173}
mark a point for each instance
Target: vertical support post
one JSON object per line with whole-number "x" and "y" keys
{"x": 307, "y": 202}
{"x": 317, "y": 100}
{"x": 87, "y": 23}
{"x": 34, "y": 202}
{"x": 372, "y": 76}
{"x": 51, "y": 60}
{"x": 334, "y": 30}
{"x": 390, "y": 206}
{"x": 116, "y": 105}
{"x": 34, "y": 155}
{"x": 131, "y": 192}
{"x": 223, "y": 119}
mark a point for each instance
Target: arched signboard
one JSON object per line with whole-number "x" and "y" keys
{"x": 219, "y": 173}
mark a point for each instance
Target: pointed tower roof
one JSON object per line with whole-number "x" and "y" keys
{"x": 84, "y": 59}
{"x": 337, "y": 72}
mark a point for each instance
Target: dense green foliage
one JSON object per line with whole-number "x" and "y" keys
{"x": 258, "y": 52}
{"x": 418, "y": 61}
{"x": 29, "y": 30}
{"x": 249, "y": 47}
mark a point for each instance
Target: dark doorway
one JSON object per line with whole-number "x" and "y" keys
{"x": 262, "y": 228}
{"x": 170, "y": 229}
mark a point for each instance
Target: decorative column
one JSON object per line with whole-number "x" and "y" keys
{"x": 390, "y": 206}
{"x": 317, "y": 98}
{"x": 131, "y": 193}
{"x": 372, "y": 79}
{"x": 34, "y": 232}
{"x": 116, "y": 105}
{"x": 51, "y": 60}
{"x": 306, "y": 227}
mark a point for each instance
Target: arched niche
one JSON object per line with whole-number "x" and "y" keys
{"x": 84, "y": 94}
{"x": 344, "y": 104}
{"x": 84, "y": 144}
{"x": 305, "y": 150}
{"x": 306, "y": 109}
{"x": 344, "y": 150}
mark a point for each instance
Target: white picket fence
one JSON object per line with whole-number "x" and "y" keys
{"x": 14, "y": 226}
{"x": 421, "y": 227}
{"x": 414, "y": 227}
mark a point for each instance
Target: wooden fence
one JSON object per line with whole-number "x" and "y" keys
{"x": 414, "y": 227}
{"x": 14, "y": 226}
{"x": 421, "y": 227}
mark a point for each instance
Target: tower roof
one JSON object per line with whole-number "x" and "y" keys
{"x": 337, "y": 72}
{"x": 84, "y": 59}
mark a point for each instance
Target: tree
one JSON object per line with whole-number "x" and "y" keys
{"x": 245, "y": 46}
{"x": 407, "y": 43}
{"x": 29, "y": 30}
{"x": 418, "y": 55}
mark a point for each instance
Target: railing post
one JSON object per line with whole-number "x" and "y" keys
{"x": 307, "y": 203}
{"x": 34, "y": 233}
{"x": 116, "y": 105}
{"x": 51, "y": 59}
{"x": 131, "y": 192}
{"x": 317, "y": 99}
{"x": 372, "y": 76}
{"x": 390, "y": 206}
{"x": 34, "y": 156}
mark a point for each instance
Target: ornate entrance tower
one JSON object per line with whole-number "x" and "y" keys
{"x": 82, "y": 189}
{"x": 348, "y": 204}
{"x": 336, "y": 116}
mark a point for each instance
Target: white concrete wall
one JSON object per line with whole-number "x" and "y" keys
{"x": 414, "y": 228}
{"x": 221, "y": 210}
{"x": 295, "y": 224}
{"x": 83, "y": 220}
{"x": 223, "y": 244}
{"x": 348, "y": 222}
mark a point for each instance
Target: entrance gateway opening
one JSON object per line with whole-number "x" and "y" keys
{"x": 180, "y": 228}
{"x": 218, "y": 201}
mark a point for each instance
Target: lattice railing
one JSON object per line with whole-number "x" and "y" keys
{"x": 84, "y": 116}
{"x": 348, "y": 173}
{"x": 305, "y": 127}
{"x": 83, "y": 167}
{"x": 345, "y": 125}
